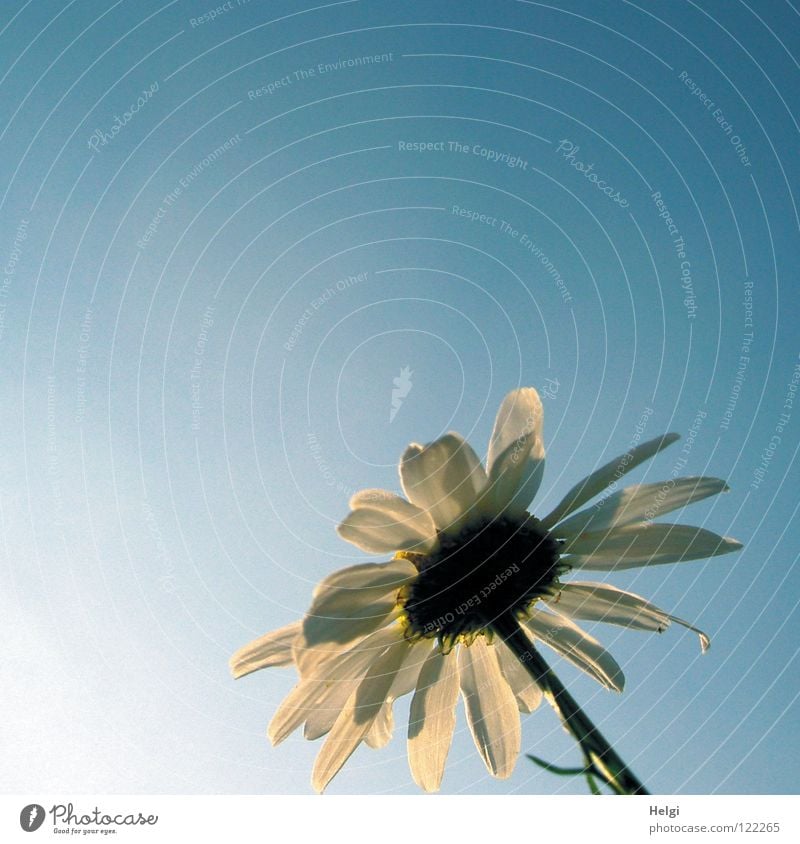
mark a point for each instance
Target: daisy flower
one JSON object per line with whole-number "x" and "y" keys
{"x": 475, "y": 582}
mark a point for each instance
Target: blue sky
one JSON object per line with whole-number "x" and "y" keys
{"x": 222, "y": 240}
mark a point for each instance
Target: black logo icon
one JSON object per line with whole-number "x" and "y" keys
{"x": 31, "y": 817}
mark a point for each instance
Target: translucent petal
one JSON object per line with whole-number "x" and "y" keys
{"x": 395, "y": 505}
{"x": 581, "y": 649}
{"x": 404, "y": 682}
{"x": 601, "y": 602}
{"x": 389, "y": 575}
{"x": 378, "y": 532}
{"x": 380, "y": 733}
{"x": 432, "y": 719}
{"x": 273, "y": 648}
{"x": 319, "y": 698}
{"x": 527, "y": 693}
{"x": 444, "y": 478}
{"x": 606, "y": 476}
{"x": 324, "y": 637}
{"x": 491, "y": 708}
{"x": 349, "y": 604}
{"x": 644, "y": 544}
{"x": 516, "y": 453}
{"x": 358, "y": 716}
{"x": 639, "y": 503}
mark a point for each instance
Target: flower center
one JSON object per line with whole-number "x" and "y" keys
{"x": 491, "y": 568}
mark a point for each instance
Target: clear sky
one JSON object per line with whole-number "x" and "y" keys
{"x": 225, "y": 230}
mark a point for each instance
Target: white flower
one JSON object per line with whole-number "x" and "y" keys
{"x": 467, "y": 552}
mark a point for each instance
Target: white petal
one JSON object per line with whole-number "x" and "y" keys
{"x": 357, "y": 718}
{"x": 391, "y": 575}
{"x": 348, "y": 604}
{"x": 581, "y": 649}
{"x": 644, "y": 544}
{"x": 404, "y": 682}
{"x": 324, "y": 638}
{"x": 274, "y": 648}
{"x": 336, "y": 693}
{"x": 432, "y": 719}
{"x": 291, "y": 713}
{"x": 408, "y": 675}
{"x": 519, "y": 415}
{"x": 516, "y": 452}
{"x": 321, "y": 717}
{"x": 403, "y": 511}
{"x": 380, "y": 732}
{"x": 322, "y": 622}
{"x": 491, "y": 708}
{"x": 337, "y": 681}
{"x": 515, "y": 478}
{"x": 360, "y": 594}
{"x": 705, "y": 641}
{"x": 638, "y": 503}
{"x": 601, "y": 602}
{"x": 444, "y": 478}
{"x": 527, "y": 693}
{"x": 379, "y": 531}
{"x": 605, "y": 476}
{"x": 318, "y": 699}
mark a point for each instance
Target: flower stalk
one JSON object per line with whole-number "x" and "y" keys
{"x": 600, "y": 756}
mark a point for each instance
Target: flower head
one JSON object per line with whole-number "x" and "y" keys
{"x": 466, "y": 553}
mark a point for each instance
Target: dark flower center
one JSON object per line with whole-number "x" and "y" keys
{"x": 491, "y": 568}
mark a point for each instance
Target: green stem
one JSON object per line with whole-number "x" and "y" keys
{"x": 556, "y": 769}
{"x": 593, "y": 787}
{"x": 598, "y": 751}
